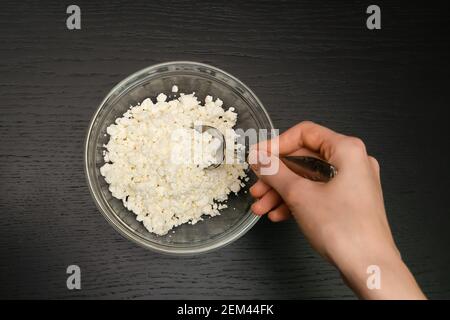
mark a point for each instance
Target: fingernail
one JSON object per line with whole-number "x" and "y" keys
{"x": 253, "y": 160}
{"x": 255, "y": 208}
{"x": 263, "y": 158}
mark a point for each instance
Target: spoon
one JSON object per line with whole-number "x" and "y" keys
{"x": 311, "y": 168}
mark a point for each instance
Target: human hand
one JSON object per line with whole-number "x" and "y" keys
{"x": 344, "y": 219}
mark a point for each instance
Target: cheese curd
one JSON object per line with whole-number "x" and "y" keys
{"x": 150, "y": 164}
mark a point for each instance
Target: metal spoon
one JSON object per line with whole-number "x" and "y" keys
{"x": 308, "y": 167}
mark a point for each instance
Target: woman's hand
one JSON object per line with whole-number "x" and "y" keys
{"x": 344, "y": 219}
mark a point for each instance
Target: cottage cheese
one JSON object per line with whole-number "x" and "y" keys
{"x": 150, "y": 163}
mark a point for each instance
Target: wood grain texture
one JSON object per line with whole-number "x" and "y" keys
{"x": 304, "y": 59}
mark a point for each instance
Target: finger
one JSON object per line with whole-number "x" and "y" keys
{"x": 280, "y": 213}
{"x": 304, "y": 135}
{"x": 269, "y": 201}
{"x": 273, "y": 172}
{"x": 259, "y": 189}
{"x": 375, "y": 166}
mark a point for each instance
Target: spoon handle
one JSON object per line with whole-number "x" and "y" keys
{"x": 311, "y": 168}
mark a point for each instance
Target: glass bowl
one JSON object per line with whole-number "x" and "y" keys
{"x": 206, "y": 235}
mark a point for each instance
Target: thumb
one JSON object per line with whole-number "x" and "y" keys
{"x": 271, "y": 170}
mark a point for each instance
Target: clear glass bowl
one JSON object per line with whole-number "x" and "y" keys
{"x": 206, "y": 235}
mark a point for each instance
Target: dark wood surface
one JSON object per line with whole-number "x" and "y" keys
{"x": 304, "y": 59}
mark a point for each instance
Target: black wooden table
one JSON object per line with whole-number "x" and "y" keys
{"x": 304, "y": 59}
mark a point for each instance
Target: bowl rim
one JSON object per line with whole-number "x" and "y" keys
{"x": 126, "y": 232}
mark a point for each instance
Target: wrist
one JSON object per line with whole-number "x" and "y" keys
{"x": 380, "y": 275}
